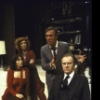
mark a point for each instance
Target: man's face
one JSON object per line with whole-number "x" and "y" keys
{"x": 68, "y": 64}
{"x": 51, "y": 37}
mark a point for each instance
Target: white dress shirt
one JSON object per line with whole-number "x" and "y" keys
{"x": 56, "y": 48}
{"x": 71, "y": 75}
{"x": 55, "y": 51}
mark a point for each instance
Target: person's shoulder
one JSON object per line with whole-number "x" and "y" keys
{"x": 30, "y": 51}
{"x": 26, "y": 69}
{"x": 10, "y": 71}
{"x": 63, "y": 43}
{"x": 82, "y": 77}
{"x": 58, "y": 77}
{"x": 44, "y": 46}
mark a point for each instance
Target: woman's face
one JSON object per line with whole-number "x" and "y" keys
{"x": 23, "y": 45}
{"x": 19, "y": 62}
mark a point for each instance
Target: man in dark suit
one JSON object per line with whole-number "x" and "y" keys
{"x": 75, "y": 87}
{"x": 51, "y": 54}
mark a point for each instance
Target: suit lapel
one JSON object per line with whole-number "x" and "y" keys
{"x": 48, "y": 50}
{"x": 73, "y": 86}
{"x": 59, "y": 50}
{"x": 58, "y": 86}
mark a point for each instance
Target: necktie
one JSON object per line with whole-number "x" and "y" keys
{"x": 54, "y": 53}
{"x": 65, "y": 81}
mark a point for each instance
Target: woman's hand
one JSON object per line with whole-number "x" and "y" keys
{"x": 31, "y": 61}
{"x": 19, "y": 95}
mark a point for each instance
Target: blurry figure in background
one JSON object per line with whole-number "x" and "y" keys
{"x": 69, "y": 85}
{"x": 17, "y": 81}
{"x": 81, "y": 66}
{"x": 22, "y": 45}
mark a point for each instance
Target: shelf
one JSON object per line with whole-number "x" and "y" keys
{"x": 79, "y": 50}
{"x": 69, "y": 20}
{"x": 75, "y": 50}
{"x": 70, "y": 32}
{"x": 74, "y": 44}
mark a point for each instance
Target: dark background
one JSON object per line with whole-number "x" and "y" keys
{"x": 30, "y": 19}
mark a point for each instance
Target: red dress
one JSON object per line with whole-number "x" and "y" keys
{"x": 16, "y": 85}
{"x": 35, "y": 82}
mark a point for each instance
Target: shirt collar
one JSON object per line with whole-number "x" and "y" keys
{"x": 71, "y": 75}
{"x": 55, "y": 45}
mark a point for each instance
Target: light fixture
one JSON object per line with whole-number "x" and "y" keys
{"x": 2, "y": 51}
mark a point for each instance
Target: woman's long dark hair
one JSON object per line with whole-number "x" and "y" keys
{"x": 14, "y": 59}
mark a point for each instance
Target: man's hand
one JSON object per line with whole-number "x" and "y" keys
{"x": 53, "y": 65}
{"x": 81, "y": 58}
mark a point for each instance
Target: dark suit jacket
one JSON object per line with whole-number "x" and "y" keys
{"x": 46, "y": 57}
{"x": 78, "y": 88}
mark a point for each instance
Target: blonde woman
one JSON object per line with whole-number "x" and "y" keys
{"x": 22, "y": 45}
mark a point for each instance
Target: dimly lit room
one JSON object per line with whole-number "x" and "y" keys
{"x": 71, "y": 18}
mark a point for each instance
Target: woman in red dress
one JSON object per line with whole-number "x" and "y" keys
{"x": 17, "y": 81}
{"x": 22, "y": 45}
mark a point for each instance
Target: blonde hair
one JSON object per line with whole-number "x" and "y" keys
{"x": 18, "y": 41}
